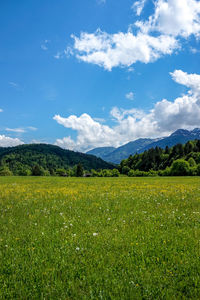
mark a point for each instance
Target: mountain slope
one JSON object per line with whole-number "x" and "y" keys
{"x": 122, "y": 152}
{"x": 49, "y": 157}
{"x": 180, "y": 136}
{"x": 101, "y": 151}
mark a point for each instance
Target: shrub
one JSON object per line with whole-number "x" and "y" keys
{"x": 180, "y": 167}
{"x": 5, "y": 171}
{"x": 115, "y": 173}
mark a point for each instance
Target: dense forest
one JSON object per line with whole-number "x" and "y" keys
{"x": 43, "y": 159}
{"x": 176, "y": 161}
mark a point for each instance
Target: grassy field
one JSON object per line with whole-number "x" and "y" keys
{"x": 99, "y": 238}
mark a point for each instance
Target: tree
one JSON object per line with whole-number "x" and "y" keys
{"x": 115, "y": 173}
{"x": 180, "y": 167}
{"x": 37, "y": 170}
{"x": 5, "y": 171}
{"x": 79, "y": 170}
{"x": 125, "y": 170}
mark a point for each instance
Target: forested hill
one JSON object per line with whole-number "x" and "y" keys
{"x": 177, "y": 160}
{"x": 22, "y": 158}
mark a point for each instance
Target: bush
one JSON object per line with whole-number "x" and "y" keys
{"x": 115, "y": 173}
{"x": 137, "y": 173}
{"x": 192, "y": 162}
{"x": 180, "y": 167}
{"x": 166, "y": 172}
{"x": 5, "y": 171}
{"x": 61, "y": 172}
{"x": 198, "y": 170}
{"x": 125, "y": 170}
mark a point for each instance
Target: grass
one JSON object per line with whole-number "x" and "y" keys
{"x": 99, "y": 238}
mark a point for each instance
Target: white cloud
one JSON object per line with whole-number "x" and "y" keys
{"x": 161, "y": 120}
{"x": 191, "y": 81}
{"x": 194, "y": 50}
{"x": 6, "y": 141}
{"x": 138, "y": 6}
{"x": 32, "y": 128}
{"x": 16, "y": 130}
{"x": 1, "y": 110}
{"x": 174, "y": 17}
{"x": 121, "y": 49}
{"x": 90, "y": 132}
{"x": 130, "y": 96}
{"x": 157, "y": 36}
{"x": 21, "y": 130}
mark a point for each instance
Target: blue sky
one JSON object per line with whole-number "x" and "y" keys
{"x": 85, "y": 74}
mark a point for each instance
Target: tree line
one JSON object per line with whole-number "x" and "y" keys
{"x": 179, "y": 160}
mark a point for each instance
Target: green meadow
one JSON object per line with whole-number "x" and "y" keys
{"x": 99, "y": 238}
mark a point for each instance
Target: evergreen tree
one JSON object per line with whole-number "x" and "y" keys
{"x": 79, "y": 170}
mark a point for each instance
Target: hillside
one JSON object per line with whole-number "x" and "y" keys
{"x": 49, "y": 157}
{"x": 138, "y": 146}
{"x": 184, "y": 158}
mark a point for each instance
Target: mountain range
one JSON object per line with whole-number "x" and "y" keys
{"x": 140, "y": 145}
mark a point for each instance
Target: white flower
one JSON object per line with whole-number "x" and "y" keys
{"x": 95, "y": 234}
{"x": 77, "y": 248}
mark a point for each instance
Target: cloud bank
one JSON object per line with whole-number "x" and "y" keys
{"x": 162, "y": 119}
{"x": 6, "y": 141}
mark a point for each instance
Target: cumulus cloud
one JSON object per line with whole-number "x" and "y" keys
{"x": 191, "y": 81}
{"x": 6, "y": 141}
{"x": 121, "y": 49}
{"x": 157, "y": 36}
{"x": 174, "y": 17}
{"x": 90, "y": 132}
{"x": 130, "y": 96}
{"x": 161, "y": 120}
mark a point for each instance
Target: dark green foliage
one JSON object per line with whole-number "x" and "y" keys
{"x": 22, "y": 159}
{"x": 79, "y": 170}
{"x": 176, "y": 161}
{"x": 37, "y": 170}
{"x": 61, "y": 172}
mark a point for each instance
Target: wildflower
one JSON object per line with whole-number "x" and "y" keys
{"x": 95, "y": 234}
{"x": 77, "y": 248}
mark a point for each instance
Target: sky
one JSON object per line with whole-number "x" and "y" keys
{"x": 82, "y": 74}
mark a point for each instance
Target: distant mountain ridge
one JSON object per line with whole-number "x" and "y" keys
{"x": 140, "y": 145}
